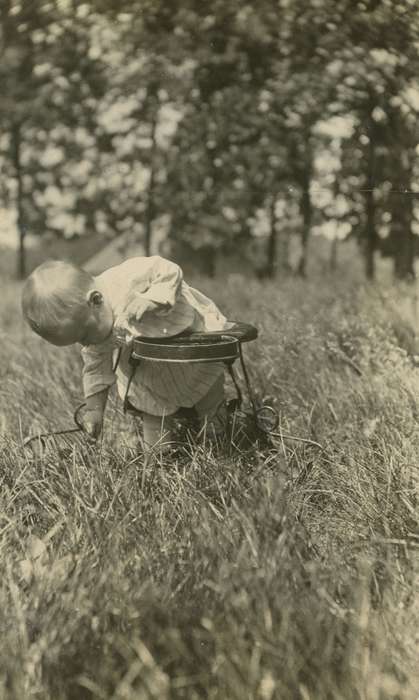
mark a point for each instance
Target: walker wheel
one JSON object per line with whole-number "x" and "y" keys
{"x": 267, "y": 419}
{"x": 77, "y": 416}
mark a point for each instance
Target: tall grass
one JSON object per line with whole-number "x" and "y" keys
{"x": 288, "y": 572}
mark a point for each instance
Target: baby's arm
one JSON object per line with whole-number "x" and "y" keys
{"x": 164, "y": 283}
{"x": 98, "y": 377}
{"x": 94, "y": 412}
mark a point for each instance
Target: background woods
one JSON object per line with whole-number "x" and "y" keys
{"x": 236, "y": 128}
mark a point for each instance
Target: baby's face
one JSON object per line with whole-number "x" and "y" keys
{"x": 93, "y": 326}
{"x": 98, "y": 324}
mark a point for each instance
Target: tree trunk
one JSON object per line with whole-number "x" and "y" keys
{"x": 271, "y": 248}
{"x": 150, "y": 205}
{"x": 268, "y": 270}
{"x": 404, "y": 257}
{"x": 371, "y": 234}
{"x": 371, "y": 231}
{"x": 16, "y": 142}
{"x": 307, "y": 212}
{"x": 208, "y": 260}
{"x": 333, "y": 260}
{"x": 284, "y": 250}
{"x": 401, "y": 205}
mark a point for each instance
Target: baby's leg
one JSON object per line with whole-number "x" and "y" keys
{"x": 212, "y": 411}
{"x": 157, "y": 433}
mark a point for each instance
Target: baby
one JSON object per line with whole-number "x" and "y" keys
{"x": 143, "y": 296}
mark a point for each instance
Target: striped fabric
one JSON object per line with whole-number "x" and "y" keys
{"x": 161, "y": 388}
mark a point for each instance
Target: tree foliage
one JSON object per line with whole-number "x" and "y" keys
{"x": 51, "y": 87}
{"x": 217, "y": 118}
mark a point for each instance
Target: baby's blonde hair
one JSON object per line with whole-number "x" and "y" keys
{"x": 54, "y": 295}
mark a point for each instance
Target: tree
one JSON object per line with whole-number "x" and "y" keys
{"x": 377, "y": 67}
{"x": 211, "y": 186}
{"x": 207, "y": 116}
{"x": 51, "y": 87}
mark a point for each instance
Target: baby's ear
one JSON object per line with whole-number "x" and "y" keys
{"x": 94, "y": 298}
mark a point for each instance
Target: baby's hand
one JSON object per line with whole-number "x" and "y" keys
{"x": 92, "y": 422}
{"x": 138, "y": 306}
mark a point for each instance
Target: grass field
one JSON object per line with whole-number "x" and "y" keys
{"x": 285, "y": 573}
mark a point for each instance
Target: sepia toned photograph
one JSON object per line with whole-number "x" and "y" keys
{"x": 209, "y": 350}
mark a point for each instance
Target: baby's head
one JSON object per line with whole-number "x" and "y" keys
{"x": 62, "y": 304}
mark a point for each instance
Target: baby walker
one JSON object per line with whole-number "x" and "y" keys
{"x": 220, "y": 346}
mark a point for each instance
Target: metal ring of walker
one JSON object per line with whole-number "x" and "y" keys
{"x": 42, "y": 437}
{"x": 267, "y": 419}
{"x": 222, "y": 346}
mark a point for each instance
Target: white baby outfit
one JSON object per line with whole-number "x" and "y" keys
{"x": 158, "y": 388}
